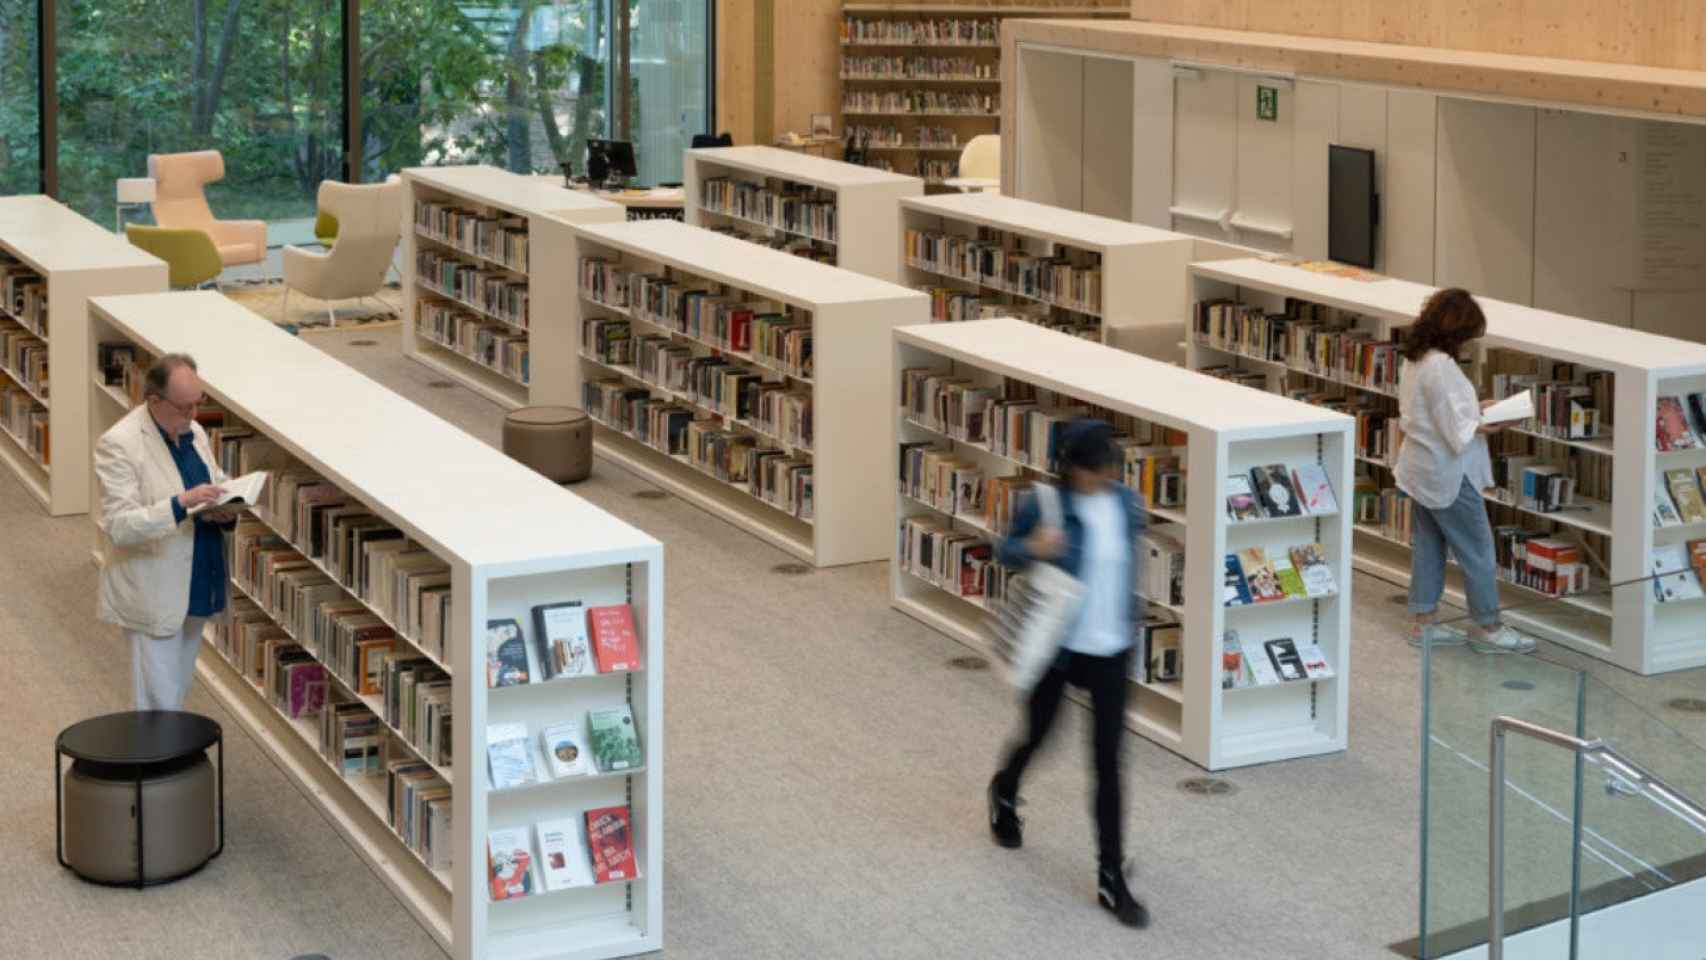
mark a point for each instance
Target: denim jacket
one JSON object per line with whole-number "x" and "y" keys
{"x": 1014, "y": 552}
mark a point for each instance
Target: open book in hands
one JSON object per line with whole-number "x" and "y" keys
{"x": 244, "y": 490}
{"x": 1517, "y": 406}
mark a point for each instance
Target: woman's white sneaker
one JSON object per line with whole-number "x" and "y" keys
{"x": 1501, "y": 639}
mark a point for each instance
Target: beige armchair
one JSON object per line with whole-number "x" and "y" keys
{"x": 369, "y": 226}
{"x": 181, "y": 204}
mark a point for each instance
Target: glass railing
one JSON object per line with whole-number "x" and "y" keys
{"x": 1588, "y": 846}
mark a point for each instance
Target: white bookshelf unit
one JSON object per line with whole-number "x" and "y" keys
{"x": 502, "y": 539}
{"x": 863, "y": 201}
{"x": 1139, "y": 272}
{"x": 43, "y": 340}
{"x": 1617, "y": 535}
{"x": 486, "y": 349}
{"x": 843, "y": 316}
{"x": 1228, "y": 429}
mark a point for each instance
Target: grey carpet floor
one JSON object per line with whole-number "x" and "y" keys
{"x": 824, "y": 787}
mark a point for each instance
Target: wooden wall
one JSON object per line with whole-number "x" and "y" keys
{"x": 1654, "y": 33}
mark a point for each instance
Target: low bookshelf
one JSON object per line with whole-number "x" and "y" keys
{"x": 52, "y": 260}
{"x": 826, "y": 210}
{"x": 965, "y": 393}
{"x": 1258, "y": 320}
{"x": 742, "y": 379}
{"x": 1090, "y": 276}
{"x": 482, "y": 256}
{"x": 367, "y": 581}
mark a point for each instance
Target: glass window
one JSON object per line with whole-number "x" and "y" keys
{"x": 669, "y": 67}
{"x": 20, "y": 131}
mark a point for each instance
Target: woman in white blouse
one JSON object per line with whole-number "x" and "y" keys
{"x": 1444, "y": 465}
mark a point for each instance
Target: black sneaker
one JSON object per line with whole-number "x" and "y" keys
{"x": 1004, "y": 823}
{"x": 1116, "y": 898}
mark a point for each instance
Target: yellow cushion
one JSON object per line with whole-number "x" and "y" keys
{"x": 191, "y": 258}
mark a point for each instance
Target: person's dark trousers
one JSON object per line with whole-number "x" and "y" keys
{"x": 1105, "y": 680}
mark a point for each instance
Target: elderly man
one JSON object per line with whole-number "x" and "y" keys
{"x": 166, "y": 573}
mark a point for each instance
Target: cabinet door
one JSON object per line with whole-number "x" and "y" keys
{"x": 1267, "y": 109}
{"x": 1205, "y": 151}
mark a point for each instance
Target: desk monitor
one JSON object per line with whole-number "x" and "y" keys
{"x": 608, "y": 158}
{"x": 1353, "y": 206}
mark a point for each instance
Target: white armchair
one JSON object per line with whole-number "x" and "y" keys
{"x": 369, "y": 223}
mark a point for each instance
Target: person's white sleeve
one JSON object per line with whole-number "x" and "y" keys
{"x": 1451, "y": 405}
{"x": 126, "y": 520}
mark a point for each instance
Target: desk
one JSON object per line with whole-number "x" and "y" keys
{"x": 827, "y": 147}
{"x": 658, "y": 203}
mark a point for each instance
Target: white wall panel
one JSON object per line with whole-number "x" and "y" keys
{"x": 1051, "y": 114}
{"x": 1205, "y": 145}
{"x": 1152, "y": 142}
{"x": 1584, "y": 214}
{"x": 1107, "y": 154}
{"x": 1485, "y": 219}
{"x": 1264, "y": 194}
{"x": 1407, "y": 197}
{"x": 1316, "y": 128}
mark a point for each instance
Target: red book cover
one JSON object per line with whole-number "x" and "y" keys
{"x": 1697, "y": 558}
{"x": 740, "y": 331}
{"x": 609, "y": 835}
{"x": 615, "y": 643}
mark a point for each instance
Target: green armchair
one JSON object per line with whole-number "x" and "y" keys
{"x": 191, "y": 258}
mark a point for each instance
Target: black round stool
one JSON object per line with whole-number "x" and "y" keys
{"x": 126, "y": 765}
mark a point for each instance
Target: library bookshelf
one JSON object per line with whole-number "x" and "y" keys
{"x": 46, "y": 431}
{"x": 844, "y": 317}
{"x": 1228, "y": 429}
{"x": 1138, "y": 272}
{"x": 856, "y": 207}
{"x": 1626, "y": 626}
{"x": 482, "y": 345}
{"x": 509, "y": 539}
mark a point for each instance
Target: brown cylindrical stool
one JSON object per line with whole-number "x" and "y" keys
{"x": 556, "y": 441}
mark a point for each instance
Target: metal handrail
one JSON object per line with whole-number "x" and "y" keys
{"x": 1645, "y": 781}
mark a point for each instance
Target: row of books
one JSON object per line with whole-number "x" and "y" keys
{"x": 503, "y": 239}
{"x": 935, "y": 170}
{"x": 954, "y": 560}
{"x": 860, "y": 136}
{"x": 765, "y": 472}
{"x": 1070, "y": 280}
{"x": 1679, "y": 571}
{"x": 1275, "y": 491}
{"x": 1157, "y": 658}
{"x": 497, "y": 293}
{"x": 1252, "y": 662}
{"x": 931, "y": 32}
{"x": 25, "y": 357}
{"x": 609, "y": 743}
{"x": 1681, "y": 423}
{"x": 595, "y": 847}
{"x": 1569, "y": 404}
{"x": 1522, "y": 481}
{"x": 1306, "y": 337}
{"x": 714, "y": 383}
{"x": 970, "y": 102}
{"x": 799, "y": 210}
{"x": 919, "y": 68}
{"x": 1590, "y": 474}
{"x": 24, "y": 294}
{"x": 1681, "y": 498}
{"x": 1162, "y": 574}
{"x": 27, "y": 421}
{"x": 1255, "y": 576}
{"x": 570, "y": 640}
{"x": 802, "y": 247}
{"x": 492, "y": 345}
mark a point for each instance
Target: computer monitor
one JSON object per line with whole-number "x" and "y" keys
{"x": 1353, "y": 206}
{"x": 610, "y": 158}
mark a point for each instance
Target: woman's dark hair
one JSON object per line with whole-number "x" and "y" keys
{"x": 1088, "y": 444}
{"x": 1450, "y": 319}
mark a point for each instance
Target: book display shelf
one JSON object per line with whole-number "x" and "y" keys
{"x": 483, "y": 255}
{"x": 52, "y": 260}
{"x": 977, "y": 406}
{"x": 837, "y": 213}
{"x": 365, "y": 586}
{"x": 919, "y": 80}
{"x": 1576, "y": 509}
{"x": 1089, "y": 276}
{"x": 742, "y": 379}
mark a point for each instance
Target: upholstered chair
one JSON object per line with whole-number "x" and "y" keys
{"x": 180, "y": 203}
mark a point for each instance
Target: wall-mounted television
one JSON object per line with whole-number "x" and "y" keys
{"x": 1353, "y": 206}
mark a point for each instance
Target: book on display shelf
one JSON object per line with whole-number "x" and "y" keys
{"x": 1664, "y": 509}
{"x": 1231, "y": 661}
{"x": 1673, "y": 429}
{"x": 1674, "y": 577}
{"x": 1259, "y": 574}
{"x": 1273, "y": 489}
{"x": 509, "y": 757}
{"x": 1285, "y": 571}
{"x": 509, "y": 865}
{"x": 565, "y": 749}
{"x": 615, "y": 642}
{"x": 1315, "y": 663}
{"x": 506, "y": 654}
{"x": 610, "y": 836}
{"x": 1697, "y": 558}
{"x": 1310, "y": 560}
{"x": 1241, "y": 503}
{"x": 1159, "y": 656}
{"x": 1163, "y": 569}
{"x": 1685, "y": 492}
{"x": 1314, "y": 490}
{"x": 1258, "y": 667}
{"x": 564, "y": 861}
{"x": 615, "y": 741}
{"x": 1236, "y": 589}
{"x": 1282, "y": 653}
{"x": 561, "y": 640}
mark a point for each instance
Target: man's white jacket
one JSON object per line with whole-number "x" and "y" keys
{"x": 145, "y": 584}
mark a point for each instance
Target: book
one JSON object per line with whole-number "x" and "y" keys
{"x": 1517, "y": 406}
{"x": 506, "y": 654}
{"x": 565, "y": 750}
{"x": 559, "y": 633}
{"x": 1685, "y": 493}
{"x": 244, "y": 490}
{"x": 615, "y": 742}
{"x": 1664, "y": 511}
{"x": 1273, "y": 488}
{"x": 1241, "y": 499}
{"x": 615, "y": 642}
{"x": 1282, "y": 653}
{"x": 563, "y": 859}
{"x": 1289, "y": 579}
{"x": 1310, "y": 559}
{"x": 1235, "y": 590}
{"x": 1259, "y": 670}
{"x": 1697, "y": 559}
{"x": 610, "y": 836}
{"x": 1259, "y": 574}
{"x": 1672, "y": 428}
{"x": 509, "y": 863}
{"x": 1673, "y": 577}
{"x": 1314, "y": 661}
{"x": 508, "y": 758}
{"x": 1314, "y": 490}
{"x": 1231, "y": 661}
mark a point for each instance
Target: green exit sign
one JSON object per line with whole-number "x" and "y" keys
{"x": 1267, "y": 104}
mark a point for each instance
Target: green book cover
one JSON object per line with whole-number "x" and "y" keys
{"x": 1290, "y": 580}
{"x": 615, "y": 741}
